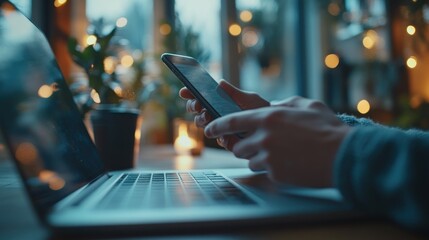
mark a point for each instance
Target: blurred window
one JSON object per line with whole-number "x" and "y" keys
{"x": 203, "y": 19}
{"x": 134, "y": 19}
{"x": 267, "y": 47}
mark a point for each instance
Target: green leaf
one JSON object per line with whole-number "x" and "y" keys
{"x": 104, "y": 41}
{"x": 75, "y": 52}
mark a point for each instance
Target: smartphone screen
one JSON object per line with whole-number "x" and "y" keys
{"x": 201, "y": 84}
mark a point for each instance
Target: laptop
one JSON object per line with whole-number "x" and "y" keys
{"x": 67, "y": 182}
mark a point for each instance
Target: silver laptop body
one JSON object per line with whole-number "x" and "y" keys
{"x": 72, "y": 193}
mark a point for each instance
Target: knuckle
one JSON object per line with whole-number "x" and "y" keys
{"x": 199, "y": 121}
{"x": 271, "y": 118}
{"x": 233, "y": 121}
{"x": 294, "y": 99}
{"x": 265, "y": 142}
{"x": 316, "y": 104}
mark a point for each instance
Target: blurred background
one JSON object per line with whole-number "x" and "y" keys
{"x": 368, "y": 58}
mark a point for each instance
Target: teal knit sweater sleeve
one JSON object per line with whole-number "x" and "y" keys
{"x": 385, "y": 171}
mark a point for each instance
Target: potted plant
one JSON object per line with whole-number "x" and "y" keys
{"x": 113, "y": 125}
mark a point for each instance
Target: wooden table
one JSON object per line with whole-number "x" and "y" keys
{"x": 18, "y": 221}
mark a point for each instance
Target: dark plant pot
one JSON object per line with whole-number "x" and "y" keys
{"x": 114, "y": 135}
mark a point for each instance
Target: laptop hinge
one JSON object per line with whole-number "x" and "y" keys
{"x": 89, "y": 188}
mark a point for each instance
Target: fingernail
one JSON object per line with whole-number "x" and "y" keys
{"x": 208, "y": 131}
{"x": 221, "y": 141}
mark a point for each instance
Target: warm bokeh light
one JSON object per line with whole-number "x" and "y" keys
{"x": 235, "y": 30}
{"x": 95, "y": 97}
{"x": 246, "y": 16}
{"x": 45, "y": 91}
{"x": 411, "y": 30}
{"x": 57, "y": 183}
{"x": 109, "y": 65}
{"x": 118, "y": 90}
{"x": 52, "y": 179}
{"x": 372, "y": 33}
{"x": 165, "y": 29}
{"x": 332, "y": 61}
{"x": 250, "y": 38}
{"x": 46, "y": 175}
{"x": 368, "y": 42}
{"x": 334, "y": 9}
{"x": 412, "y": 62}
{"x": 59, "y": 3}
{"x": 26, "y": 153}
{"x": 121, "y": 22}
{"x": 370, "y": 39}
{"x": 127, "y": 61}
{"x": 91, "y": 40}
{"x": 363, "y": 106}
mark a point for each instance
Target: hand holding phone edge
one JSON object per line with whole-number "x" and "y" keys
{"x": 203, "y": 87}
{"x": 204, "y": 110}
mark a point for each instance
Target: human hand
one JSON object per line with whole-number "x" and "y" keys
{"x": 246, "y": 100}
{"x": 295, "y": 142}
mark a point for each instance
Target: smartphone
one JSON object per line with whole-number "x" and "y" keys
{"x": 205, "y": 89}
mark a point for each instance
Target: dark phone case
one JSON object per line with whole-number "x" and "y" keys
{"x": 166, "y": 59}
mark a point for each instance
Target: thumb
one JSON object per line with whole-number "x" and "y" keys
{"x": 235, "y": 93}
{"x": 246, "y": 100}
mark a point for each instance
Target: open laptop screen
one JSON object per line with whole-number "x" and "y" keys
{"x": 40, "y": 122}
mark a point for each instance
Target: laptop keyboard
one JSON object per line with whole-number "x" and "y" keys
{"x": 163, "y": 190}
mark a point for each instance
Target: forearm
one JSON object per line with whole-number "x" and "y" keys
{"x": 385, "y": 171}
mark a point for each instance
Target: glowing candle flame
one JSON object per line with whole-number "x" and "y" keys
{"x": 183, "y": 143}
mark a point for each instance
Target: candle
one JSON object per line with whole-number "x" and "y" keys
{"x": 188, "y": 138}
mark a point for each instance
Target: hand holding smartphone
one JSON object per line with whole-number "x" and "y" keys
{"x": 205, "y": 89}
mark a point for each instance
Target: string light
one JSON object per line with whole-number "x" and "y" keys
{"x": 45, "y": 91}
{"x": 411, "y": 30}
{"x": 91, "y": 40}
{"x": 363, "y": 106}
{"x": 246, "y": 16}
{"x": 109, "y": 65}
{"x": 235, "y": 30}
{"x": 412, "y": 62}
{"x": 332, "y": 61}
{"x": 121, "y": 22}
{"x": 59, "y": 3}
{"x": 165, "y": 29}
{"x": 370, "y": 39}
{"x": 95, "y": 97}
{"x": 127, "y": 61}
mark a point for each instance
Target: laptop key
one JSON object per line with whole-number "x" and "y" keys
{"x": 161, "y": 190}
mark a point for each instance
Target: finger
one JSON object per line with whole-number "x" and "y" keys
{"x": 230, "y": 141}
{"x": 244, "y": 99}
{"x": 235, "y": 123}
{"x": 194, "y": 106}
{"x": 229, "y": 88}
{"x": 201, "y": 120}
{"x": 247, "y": 147}
{"x": 220, "y": 141}
{"x": 257, "y": 163}
{"x": 186, "y": 94}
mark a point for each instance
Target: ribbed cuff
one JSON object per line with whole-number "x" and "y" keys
{"x": 343, "y": 166}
